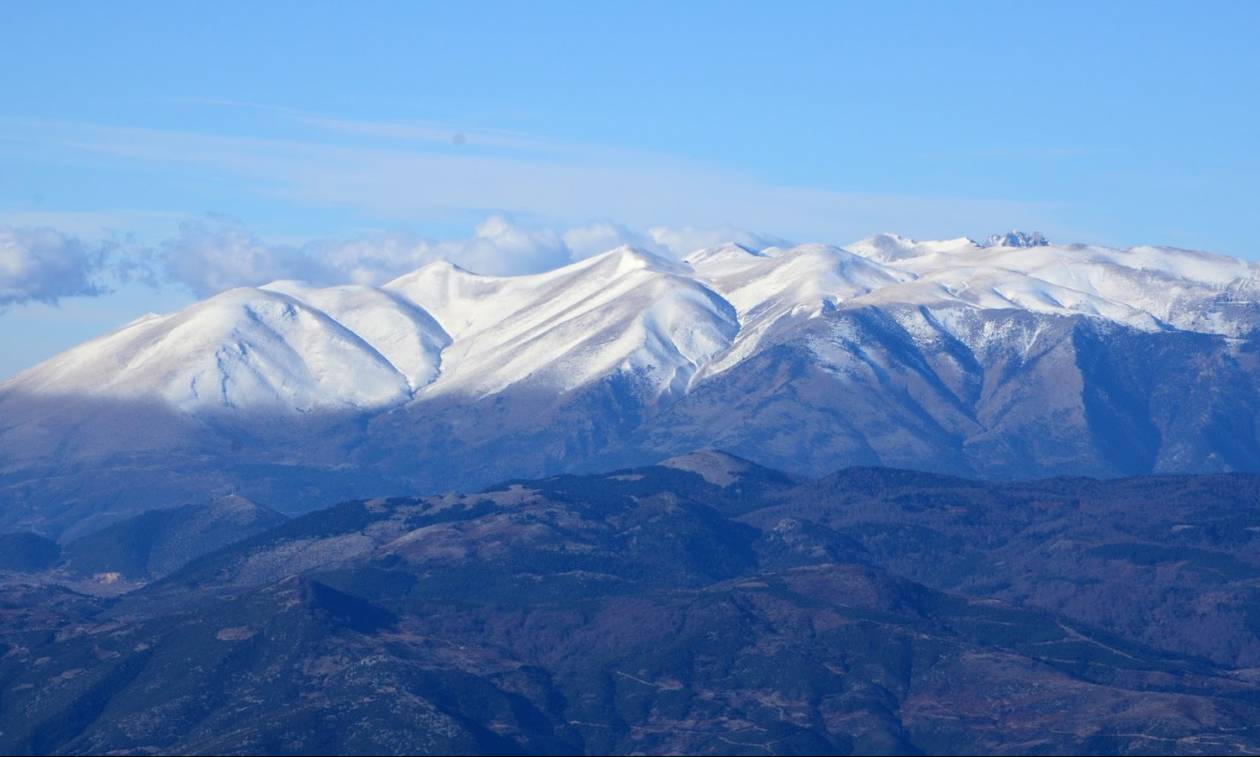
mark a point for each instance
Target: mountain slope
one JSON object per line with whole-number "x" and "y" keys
{"x": 245, "y": 349}
{"x": 705, "y": 605}
{"x": 400, "y": 330}
{"x": 158, "y": 542}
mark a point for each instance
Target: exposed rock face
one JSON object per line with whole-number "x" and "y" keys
{"x": 1017, "y": 238}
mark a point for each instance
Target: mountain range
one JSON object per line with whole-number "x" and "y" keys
{"x": 702, "y": 605}
{"x": 1015, "y": 358}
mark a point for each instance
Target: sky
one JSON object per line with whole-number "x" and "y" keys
{"x": 155, "y": 153}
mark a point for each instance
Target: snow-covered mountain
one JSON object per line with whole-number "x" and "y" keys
{"x": 623, "y": 311}
{"x": 247, "y": 349}
{"x": 1012, "y": 357}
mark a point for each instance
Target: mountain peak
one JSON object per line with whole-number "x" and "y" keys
{"x": 892, "y": 248}
{"x": 1017, "y": 238}
{"x": 444, "y": 265}
{"x": 627, "y": 257}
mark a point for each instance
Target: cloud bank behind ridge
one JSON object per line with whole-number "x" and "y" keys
{"x": 41, "y": 264}
{"x": 213, "y": 253}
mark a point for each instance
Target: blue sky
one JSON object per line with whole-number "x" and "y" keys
{"x": 176, "y": 148}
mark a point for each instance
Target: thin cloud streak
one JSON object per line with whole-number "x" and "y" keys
{"x": 436, "y": 180}
{"x": 409, "y": 130}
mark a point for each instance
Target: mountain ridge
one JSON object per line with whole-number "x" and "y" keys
{"x": 1074, "y": 279}
{"x": 1001, "y": 361}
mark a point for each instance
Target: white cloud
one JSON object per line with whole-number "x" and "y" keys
{"x": 214, "y": 253}
{"x": 594, "y": 238}
{"x": 373, "y": 259}
{"x": 683, "y": 240}
{"x": 41, "y": 264}
{"x": 498, "y": 246}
